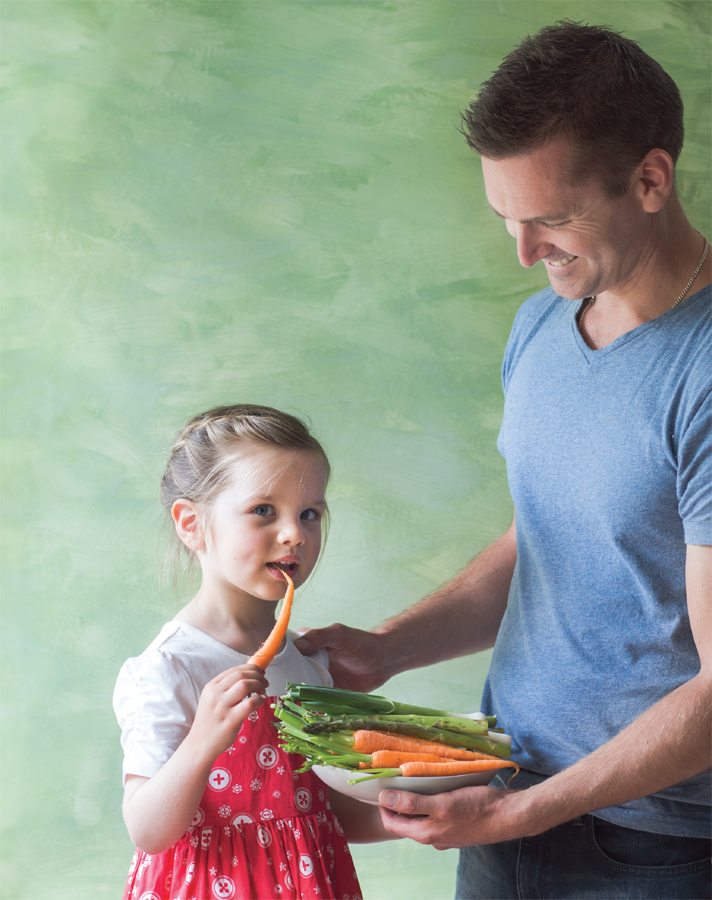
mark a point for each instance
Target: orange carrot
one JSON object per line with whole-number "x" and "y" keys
{"x": 393, "y": 759}
{"x": 270, "y": 648}
{"x": 372, "y": 741}
{"x": 455, "y": 767}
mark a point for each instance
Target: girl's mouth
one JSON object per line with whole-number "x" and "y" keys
{"x": 276, "y": 568}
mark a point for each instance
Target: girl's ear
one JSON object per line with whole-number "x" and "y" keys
{"x": 187, "y": 522}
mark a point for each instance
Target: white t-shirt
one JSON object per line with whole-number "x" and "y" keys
{"x": 156, "y": 694}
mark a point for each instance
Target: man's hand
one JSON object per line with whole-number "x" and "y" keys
{"x": 357, "y": 659}
{"x": 473, "y": 815}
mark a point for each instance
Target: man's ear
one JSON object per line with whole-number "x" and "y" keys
{"x": 187, "y": 523}
{"x": 654, "y": 177}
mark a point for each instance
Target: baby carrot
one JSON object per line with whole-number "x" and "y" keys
{"x": 270, "y": 648}
{"x": 372, "y": 741}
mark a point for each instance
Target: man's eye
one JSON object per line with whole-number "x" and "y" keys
{"x": 264, "y": 509}
{"x": 556, "y": 224}
{"x": 310, "y": 514}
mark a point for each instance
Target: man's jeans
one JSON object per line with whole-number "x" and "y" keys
{"x": 588, "y": 859}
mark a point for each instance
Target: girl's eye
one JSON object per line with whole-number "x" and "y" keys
{"x": 264, "y": 509}
{"x": 310, "y": 514}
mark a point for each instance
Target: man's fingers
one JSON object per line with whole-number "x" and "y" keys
{"x": 312, "y": 639}
{"x": 405, "y": 803}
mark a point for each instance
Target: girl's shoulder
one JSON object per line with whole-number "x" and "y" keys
{"x": 179, "y": 659}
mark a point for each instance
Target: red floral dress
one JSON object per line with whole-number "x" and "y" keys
{"x": 261, "y": 832}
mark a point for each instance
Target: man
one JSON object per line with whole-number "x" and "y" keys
{"x": 598, "y": 596}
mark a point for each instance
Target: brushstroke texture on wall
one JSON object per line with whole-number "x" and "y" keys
{"x": 206, "y": 202}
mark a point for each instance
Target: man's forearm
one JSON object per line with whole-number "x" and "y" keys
{"x": 460, "y": 618}
{"x": 665, "y": 745}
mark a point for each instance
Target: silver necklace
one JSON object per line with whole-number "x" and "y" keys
{"x": 592, "y": 300}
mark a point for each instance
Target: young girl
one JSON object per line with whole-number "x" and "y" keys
{"x": 214, "y": 806}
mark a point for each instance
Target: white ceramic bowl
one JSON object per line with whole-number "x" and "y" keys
{"x": 368, "y": 791}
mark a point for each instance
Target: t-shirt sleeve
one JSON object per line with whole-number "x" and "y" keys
{"x": 694, "y": 478}
{"x": 320, "y": 661}
{"x": 155, "y": 703}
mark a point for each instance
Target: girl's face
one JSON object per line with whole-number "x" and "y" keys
{"x": 267, "y": 519}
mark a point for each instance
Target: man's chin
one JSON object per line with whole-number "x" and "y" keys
{"x": 566, "y": 289}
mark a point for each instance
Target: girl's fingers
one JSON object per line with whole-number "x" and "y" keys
{"x": 243, "y": 688}
{"x": 231, "y": 676}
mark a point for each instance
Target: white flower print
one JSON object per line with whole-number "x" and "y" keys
{"x": 194, "y": 840}
{"x": 269, "y": 860}
{"x": 213, "y": 870}
{"x": 281, "y": 770}
{"x": 297, "y": 834}
{"x": 289, "y": 854}
{"x": 236, "y": 788}
{"x": 296, "y": 776}
{"x": 283, "y": 867}
{"x": 227, "y": 830}
{"x": 242, "y": 739}
{"x": 266, "y": 815}
{"x": 276, "y": 793}
{"x": 278, "y": 888}
{"x": 321, "y": 796}
{"x": 253, "y": 716}
{"x": 256, "y": 784}
{"x": 224, "y": 811}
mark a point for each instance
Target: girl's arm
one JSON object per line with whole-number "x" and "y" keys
{"x": 159, "y": 810}
{"x": 361, "y": 822}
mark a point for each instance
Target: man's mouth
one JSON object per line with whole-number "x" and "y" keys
{"x": 557, "y": 263}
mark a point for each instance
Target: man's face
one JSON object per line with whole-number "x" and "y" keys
{"x": 588, "y": 242}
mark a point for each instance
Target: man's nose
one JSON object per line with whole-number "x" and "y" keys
{"x": 531, "y": 247}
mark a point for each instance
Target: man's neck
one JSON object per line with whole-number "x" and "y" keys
{"x": 667, "y": 264}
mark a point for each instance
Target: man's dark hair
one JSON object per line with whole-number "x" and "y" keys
{"x": 586, "y": 83}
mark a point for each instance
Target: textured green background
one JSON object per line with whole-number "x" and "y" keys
{"x": 261, "y": 201}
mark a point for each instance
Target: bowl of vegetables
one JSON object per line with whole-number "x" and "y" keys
{"x": 362, "y": 744}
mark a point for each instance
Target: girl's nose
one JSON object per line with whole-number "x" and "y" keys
{"x": 291, "y": 532}
{"x": 530, "y": 246}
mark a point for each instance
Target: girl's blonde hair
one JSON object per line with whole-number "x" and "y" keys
{"x": 199, "y": 465}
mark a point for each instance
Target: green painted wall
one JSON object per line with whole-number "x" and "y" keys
{"x": 207, "y": 202}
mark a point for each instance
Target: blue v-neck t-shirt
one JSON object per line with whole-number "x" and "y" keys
{"x": 609, "y": 461}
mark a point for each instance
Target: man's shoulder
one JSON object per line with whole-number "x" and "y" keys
{"x": 544, "y": 308}
{"x": 540, "y": 303}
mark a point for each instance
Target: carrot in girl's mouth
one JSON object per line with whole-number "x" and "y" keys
{"x": 267, "y": 652}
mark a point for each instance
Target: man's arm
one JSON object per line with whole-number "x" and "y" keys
{"x": 668, "y": 743}
{"x": 458, "y": 619}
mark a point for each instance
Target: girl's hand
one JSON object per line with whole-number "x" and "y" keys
{"x": 224, "y": 704}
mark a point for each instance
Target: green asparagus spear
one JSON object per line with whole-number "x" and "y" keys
{"x": 336, "y": 701}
